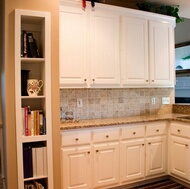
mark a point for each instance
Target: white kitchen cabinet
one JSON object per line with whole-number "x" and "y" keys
{"x": 89, "y": 46}
{"x": 156, "y": 146}
{"x": 76, "y": 167}
{"x": 180, "y": 150}
{"x": 179, "y": 157}
{"x": 132, "y": 160}
{"x": 161, "y": 53}
{"x": 134, "y": 54}
{"x": 106, "y": 157}
{"x": 76, "y": 158}
{"x": 147, "y": 56}
{"x": 73, "y": 45}
{"x": 132, "y": 154}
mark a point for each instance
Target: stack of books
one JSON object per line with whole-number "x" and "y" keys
{"x": 34, "y": 161}
{"x": 34, "y": 122}
{"x": 28, "y": 45}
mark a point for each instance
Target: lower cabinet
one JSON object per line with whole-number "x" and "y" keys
{"x": 180, "y": 151}
{"x": 156, "y": 149}
{"x": 76, "y": 167}
{"x": 180, "y": 156}
{"x": 132, "y": 160}
{"x": 118, "y": 155}
{"x": 156, "y": 155}
{"x": 106, "y": 164}
{"x": 132, "y": 154}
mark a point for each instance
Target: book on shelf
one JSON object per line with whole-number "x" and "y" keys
{"x": 35, "y": 160}
{"x": 34, "y": 122}
{"x": 27, "y": 161}
{"x": 29, "y": 48}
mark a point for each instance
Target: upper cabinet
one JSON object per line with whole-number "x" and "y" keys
{"x": 161, "y": 53}
{"x": 134, "y": 51}
{"x": 89, "y": 46}
{"x": 147, "y": 52}
{"x": 109, "y": 46}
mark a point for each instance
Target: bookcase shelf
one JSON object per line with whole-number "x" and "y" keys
{"x": 31, "y": 111}
{"x": 35, "y": 138}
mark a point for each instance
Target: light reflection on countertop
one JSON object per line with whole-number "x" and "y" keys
{"x": 122, "y": 120}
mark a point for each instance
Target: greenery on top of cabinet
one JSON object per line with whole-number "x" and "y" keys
{"x": 161, "y": 9}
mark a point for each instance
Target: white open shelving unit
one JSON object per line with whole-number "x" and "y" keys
{"x": 40, "y": 68}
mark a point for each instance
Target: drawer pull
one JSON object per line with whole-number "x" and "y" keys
{"x": 107, "y": 136}
{"x": 142, "y": 144}
{"x": 134, "y": 133}
{"x": 97, "y": 151}
{"x": 178, "y": 130}
{"x": 85, "y": 80}
{"x": 88, "y": 152}
{"x": 76, "y": 139}
{"x": 186, "y": 145}
{"x": 149, "y": 143}
{"x": 157, "y": 130}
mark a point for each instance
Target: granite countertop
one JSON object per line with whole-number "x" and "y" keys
{"x": 122, "y": 120}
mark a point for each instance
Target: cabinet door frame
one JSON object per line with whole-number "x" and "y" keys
{"x": 76, "y": 152}
{"x": 152, "y": 144}
{"x": 162, "y": 68}
{"x": 135, "y": 147}
{"x": 181, "y": 158}
{"x": 104, "y": 47}
{"x": 73, "y": 68}
{"x": 103, "y": 177}
{"x": 134, "y": 51}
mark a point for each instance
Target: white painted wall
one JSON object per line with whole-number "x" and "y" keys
{"x": 182, "y": 31}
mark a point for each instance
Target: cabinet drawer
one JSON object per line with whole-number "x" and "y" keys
{"x": 105, "y": 135}
{"x": 180, "y": 130}
{"x": 132, "y": 132}
{"x": 154, "y": 130}
{"x": 75, "y": 138}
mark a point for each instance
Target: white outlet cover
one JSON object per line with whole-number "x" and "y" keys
{"x": 165, "y": 100}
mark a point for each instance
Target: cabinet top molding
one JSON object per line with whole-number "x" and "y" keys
{"x": 124, "y": 10}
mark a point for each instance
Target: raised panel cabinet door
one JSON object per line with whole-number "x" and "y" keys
{"x": 73, "y": 46}
{"x": 179, "y": 157}
{"x": 106, "y": 164}
{"x": 132, "y": 160}
{"x": 134, "y": 51}
{"x": 104, "y": 47}
{"x": 156, "y": 155}
{"x": 76, "y": 167}
{"x": 161, "y": 48}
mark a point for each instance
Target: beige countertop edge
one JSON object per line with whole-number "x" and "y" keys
{"x": 121, "y": 121}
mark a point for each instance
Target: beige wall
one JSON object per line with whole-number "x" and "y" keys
{"x": 8, "y": 80}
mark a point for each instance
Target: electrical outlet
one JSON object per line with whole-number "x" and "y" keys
{"x": 79, "y": 103}
{"x": 165, "y": 100}
{"x": 153, "y": 100}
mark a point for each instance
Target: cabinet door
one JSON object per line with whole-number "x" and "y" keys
{"x": 179, "y": 157}
{"x": 134, "y": 53}
{"x": 161, "y": 54}
{"x": 156, "y": 155}
{"x": 73, "y": 42}
{"x": 106, "y": 164}
{"x": 104, "y": 47}
{"x": 132, "y": 160}
{"x": 76, "y": 167}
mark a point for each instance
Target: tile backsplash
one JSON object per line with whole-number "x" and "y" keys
{"x": 107, "y": 103}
